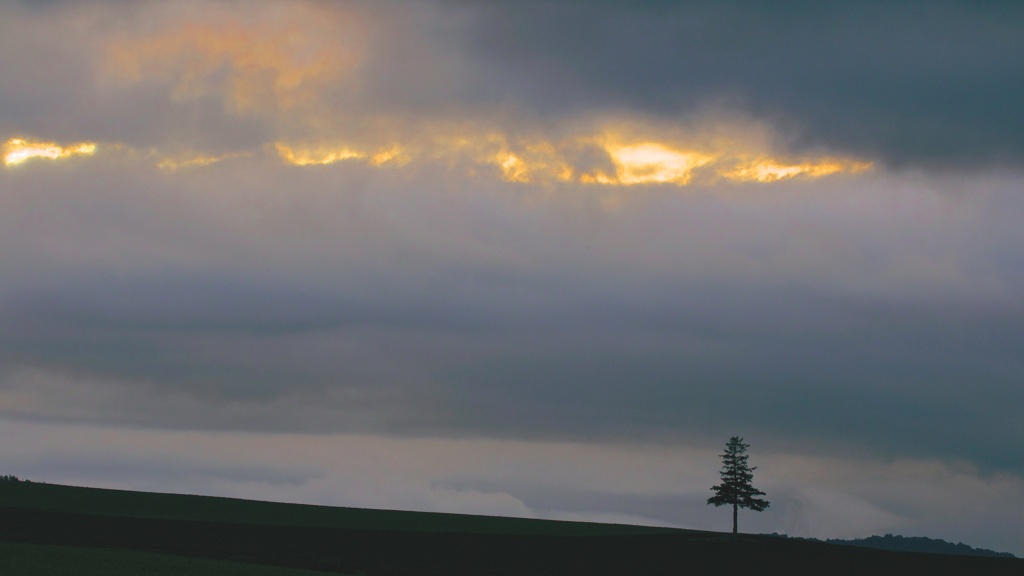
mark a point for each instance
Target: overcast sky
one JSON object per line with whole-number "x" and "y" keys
{"x": 521, "y": 258}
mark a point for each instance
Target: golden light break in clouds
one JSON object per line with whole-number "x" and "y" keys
{"x": 296, "y": 69}
{"x": 538, "y": 162}
{"x": 18, "y": 150}
{"x": 280, "y": 64}
{"x": 300, "y": 71}
{"x": 175, "y": 162}
{"x": 608, "y": 160}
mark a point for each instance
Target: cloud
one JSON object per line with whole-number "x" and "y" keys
{"x": 248, "y": 295}
{"x": 270, "y": 58}
{"x": 18, "y": 150}
{"x": 193, "y": 87}
{"x": 907, "y": 84}
{"x": 217, "y": 79}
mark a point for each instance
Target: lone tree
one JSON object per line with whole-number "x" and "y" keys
{"x": 735, "y": 488}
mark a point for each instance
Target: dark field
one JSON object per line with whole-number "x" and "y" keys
{"x": 389, "y": 543}
{"x": 35, "y": 560}
{"x": 185, "y": 507}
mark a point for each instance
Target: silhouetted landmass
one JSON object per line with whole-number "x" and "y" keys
{"x": 392, "y": 543}
{"x": 106, "y": 502}
{"x": 908, "y": 544}
{"x": 920, "y": 544}
{"x": 43, "y": 560}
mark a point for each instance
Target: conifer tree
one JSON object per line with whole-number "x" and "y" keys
{"x": 735, "y": 489}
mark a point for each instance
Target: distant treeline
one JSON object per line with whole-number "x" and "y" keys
{"x": 920, "y": 544}
{"x": 910, "y": 544}
{"x": 11, "y": 478}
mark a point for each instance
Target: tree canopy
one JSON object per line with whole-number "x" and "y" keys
{"x": 736, "y": 489}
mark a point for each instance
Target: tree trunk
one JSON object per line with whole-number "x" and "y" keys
{"x": 734, "y": 508}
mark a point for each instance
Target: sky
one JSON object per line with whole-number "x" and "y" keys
{"x": 521, "y": 258}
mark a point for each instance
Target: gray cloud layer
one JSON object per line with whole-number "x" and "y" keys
{"x": 913, "y": 84}
{"x": 340, "y": 299}
{"x": 931, "y": 84}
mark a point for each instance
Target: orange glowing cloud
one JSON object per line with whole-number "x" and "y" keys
{"x": 195, "y": 160}
{"x": 18, "y": 150}
{"x": 307, "y": 156}
{"x": 653, "y": 163}
{"x": 537, "y": 161}
{"x": 770, "y": 170}
{"x": 629, "y": 161}
{"x": 294, "y": 65}
{"x": 272, "y": 60}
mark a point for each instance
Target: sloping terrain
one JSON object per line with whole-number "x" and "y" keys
{"x": 36, "y": 560}
{"x": 40, "y": 496}
{"x": 327, "y": 540}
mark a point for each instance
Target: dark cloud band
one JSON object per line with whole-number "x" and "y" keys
{"x": 913, "y": 83}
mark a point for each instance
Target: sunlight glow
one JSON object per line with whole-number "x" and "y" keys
{"x": 767, "y": 170}
{"x": 513, "y": 169}
{"x": 298, "y": 69}
{"x": 321, "y": 155}
{"x": 525, "y": 162}
{"x": 18, "y": 150}
{"x": 175, "y": 163}
{"x": 530, "y": 162}
{"x": 654, "y": 163}
{"x": 626, "y": 162}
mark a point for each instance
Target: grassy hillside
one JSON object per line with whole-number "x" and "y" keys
{"x": 381, "y": 543}
{"x": 34, "y": 560}
{"x": 205, "y": 508}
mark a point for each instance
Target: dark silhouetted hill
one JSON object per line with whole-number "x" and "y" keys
{"x": 395, "y": 543}
{"x": 920, "y": 544}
